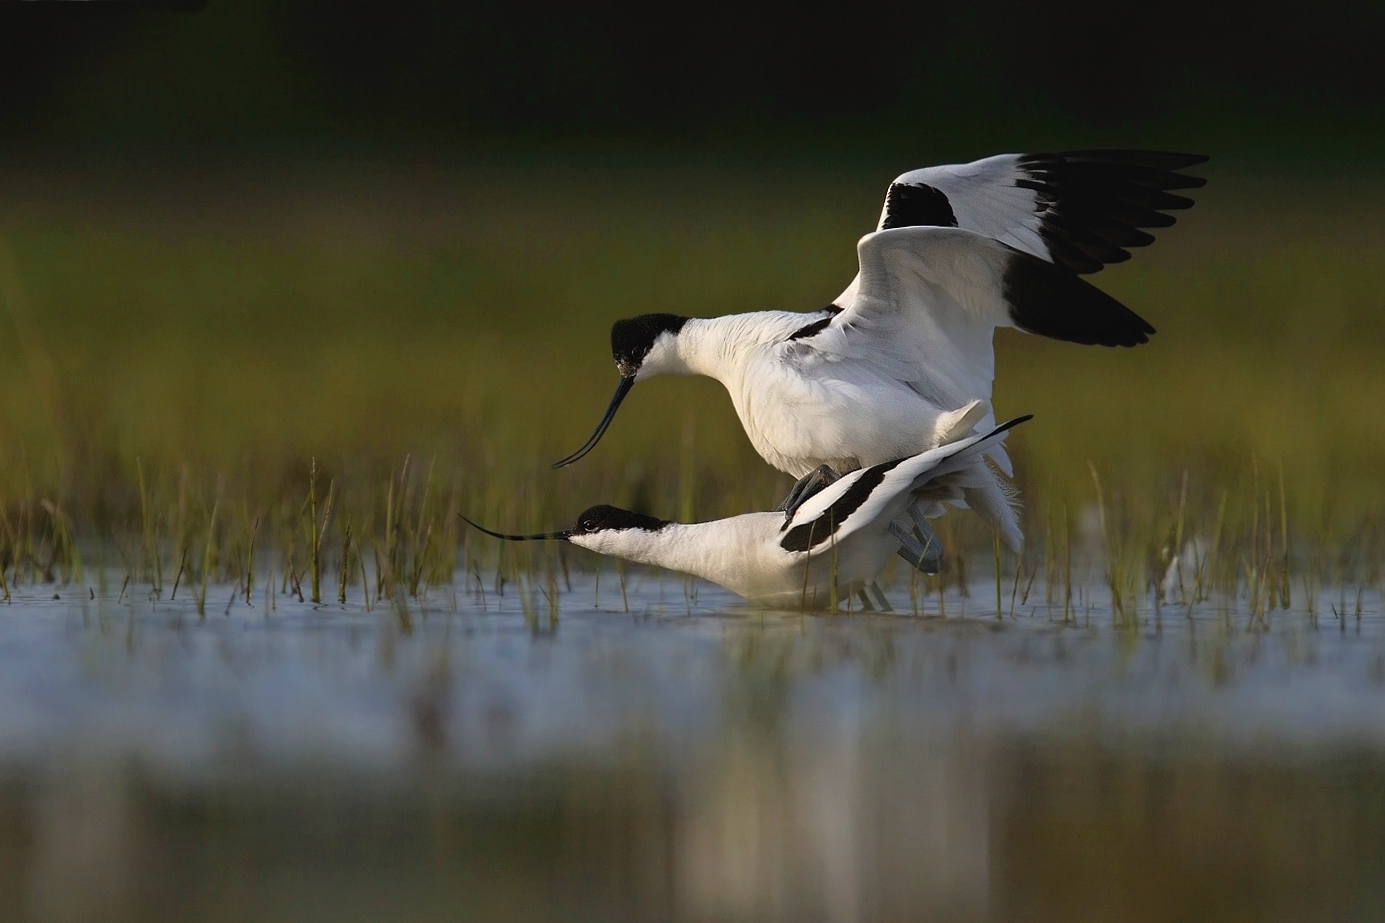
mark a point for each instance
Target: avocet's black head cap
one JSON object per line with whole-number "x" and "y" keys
{"x": 605, "y": 518}
{"x": 632, "y": 339}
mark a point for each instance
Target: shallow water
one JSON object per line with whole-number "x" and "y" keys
{"x": 472, "y": 758}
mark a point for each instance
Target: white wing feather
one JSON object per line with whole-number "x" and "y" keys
{"x": 924, "y": 312}
{"x": 1081, "y": 209}
{"x": 985, "y": 199}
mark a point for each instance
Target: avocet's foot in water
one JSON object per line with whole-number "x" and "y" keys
{"x": 881, "y": 600}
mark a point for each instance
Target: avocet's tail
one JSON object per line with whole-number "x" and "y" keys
{"x": 963, "y": 422}
{"x": 960, "y": 423}
{"x": 963, "y": 478}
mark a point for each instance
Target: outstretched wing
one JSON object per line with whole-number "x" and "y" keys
{"x": 930, "y": 298}
{"x": 878, "y": 494}
{"x": 1079, "y": 209}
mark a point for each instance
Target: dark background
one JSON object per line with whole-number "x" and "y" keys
{"x": 1261, "y": 83}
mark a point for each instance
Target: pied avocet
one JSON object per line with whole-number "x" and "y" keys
{"x": 902, "y": 360}
{"x": 832, "y": 545}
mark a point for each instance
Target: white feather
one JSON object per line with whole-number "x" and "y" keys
{"x": 747, "y": 554}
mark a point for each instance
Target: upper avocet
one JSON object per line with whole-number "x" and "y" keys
{"x": 902, "y": 360}
{"x": 832, "y": 545}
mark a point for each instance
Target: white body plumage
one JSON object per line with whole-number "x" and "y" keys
{"x": 832, "y": 546}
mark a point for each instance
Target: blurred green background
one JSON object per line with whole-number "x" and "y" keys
{"x": 914, "y": 80}
{"x": 241, "y": 236}
{"x": 287, "y": 284}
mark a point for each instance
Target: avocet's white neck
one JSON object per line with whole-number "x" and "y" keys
{"x": 718, "y": 347}
{"x": 724, "y": 551}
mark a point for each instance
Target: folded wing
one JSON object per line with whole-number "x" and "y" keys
{"x": 875, "y": 495}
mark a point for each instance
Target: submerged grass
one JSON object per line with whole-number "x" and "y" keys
{"x": 309, "y": 374}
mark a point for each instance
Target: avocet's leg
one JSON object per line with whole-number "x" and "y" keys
{"x": 932, "y": 546}
{"x": 880, "y": 597}
{"x": 809, "y": 484}
{"x": 928, "y": 561}
{"x": 920, "y": 548}
{"x": 911, "y": 548}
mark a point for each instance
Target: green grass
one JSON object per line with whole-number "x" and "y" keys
{"x": 435, "y": 336}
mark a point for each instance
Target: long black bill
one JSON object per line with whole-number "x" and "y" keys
{"x": 622, "y": 389}
{"x": 561, "y": 535}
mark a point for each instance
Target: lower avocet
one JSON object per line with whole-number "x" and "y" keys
{"x": 833, "y": 545}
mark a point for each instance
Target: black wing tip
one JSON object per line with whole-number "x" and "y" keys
{"x": 1135, "y": 333}
{"x": 1011, "y": 423}
{"x": 1052, "y": 301}
{"x": 1136, "y": 157}
{"x": 1002, "y": 428}
{"x": 1096, "y": 204}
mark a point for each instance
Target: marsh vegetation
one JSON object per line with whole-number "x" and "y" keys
{"x": 254, "y": 666}
{"x": 298, "y": 379}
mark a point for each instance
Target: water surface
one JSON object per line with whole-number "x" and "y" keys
{"x": 472, "y": 757}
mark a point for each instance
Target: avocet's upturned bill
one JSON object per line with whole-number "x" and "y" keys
{"x": 902, "y": 360}
{"x": 841, "y": 534}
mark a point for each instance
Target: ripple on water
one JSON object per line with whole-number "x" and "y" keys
{"x": 690, "y": 757}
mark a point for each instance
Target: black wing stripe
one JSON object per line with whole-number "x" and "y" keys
{"x": 809, "y": 535}
{"x": 816, "y": 326}
{"x": 917, "y": 205}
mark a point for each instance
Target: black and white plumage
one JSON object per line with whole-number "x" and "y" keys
{"x": 1081, "y": 209}
{"x": 830, "y": 547}
{"x": 902, "y": 360}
